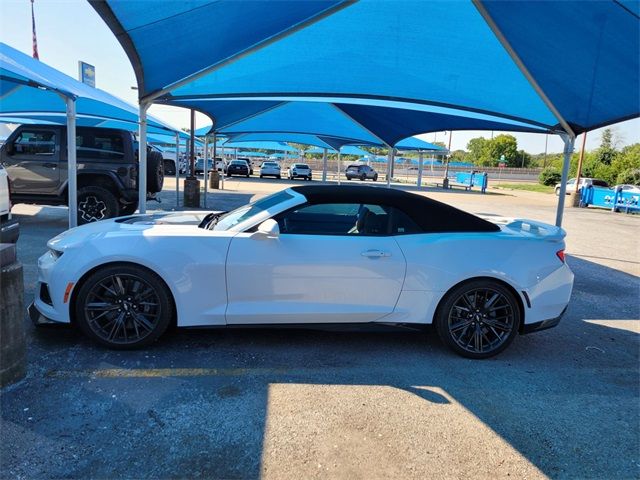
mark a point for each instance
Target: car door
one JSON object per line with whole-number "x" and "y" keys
{"x": 319, "y": 269}
{"x": 32, "y": 161}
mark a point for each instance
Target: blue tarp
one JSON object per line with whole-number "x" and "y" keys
{"x": 472, "y": 60}
{"x": 22, "y": 102}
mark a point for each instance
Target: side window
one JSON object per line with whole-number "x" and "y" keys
{"x": 402, "y": 224}
{"x": 35, "y": 143}
{"x": 335, "y": 219}
{"x": 103, "y": 146}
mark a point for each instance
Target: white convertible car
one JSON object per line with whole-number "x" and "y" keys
{"x": 306, "y": 256}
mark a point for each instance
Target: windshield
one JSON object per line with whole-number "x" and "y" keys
{"x": 234, "y": 217}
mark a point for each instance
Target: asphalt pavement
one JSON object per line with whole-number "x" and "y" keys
{"x": 279, "y": 404}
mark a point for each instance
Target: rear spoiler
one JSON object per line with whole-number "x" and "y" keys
{"x": 549, "y": 233}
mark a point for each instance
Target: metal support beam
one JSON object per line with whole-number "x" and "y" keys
{"x": 339, "y": 164}
{"x": 142, "y": 159}
{"x": 206, "y": 169}
{"x": 324, "y": 165}
{"x": 568, "y": 150}
{"x": 177, "y": 170}
{"x": 420, "y": 164}
{"x": 390, "y": 160}
{"x": 72, "y": 169}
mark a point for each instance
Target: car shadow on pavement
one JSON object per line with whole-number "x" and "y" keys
{"x": 250, "y": 403}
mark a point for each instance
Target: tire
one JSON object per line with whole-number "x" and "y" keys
{"x": 247, "y": 175}
{"x": 133, "y": 310}
{"x": 155, "y": 172}
{"x": 488, "y": 309}
{"x": 129, "y": 209}
{"x": 557, "y": 191}
{"x": 96, "y": 203}
{"x": 375, "y": 177}
{"x": 279, "y": 177}
{"x": 169, "y": 167}
{"x": 363, "y": 177}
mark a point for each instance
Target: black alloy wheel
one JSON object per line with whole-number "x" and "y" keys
{"x": 123, "y": 306}
{"x": 479, "y": 319}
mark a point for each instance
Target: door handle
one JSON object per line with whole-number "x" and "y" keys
{"x": 375, "y": 254}
{"x": 50, "y": 165}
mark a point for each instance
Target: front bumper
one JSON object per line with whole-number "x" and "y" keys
{"x": 38, "y": 318}
{"x": 9, "y": 231}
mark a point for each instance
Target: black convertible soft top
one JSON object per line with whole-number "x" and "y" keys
{"x": 432, "y": 216}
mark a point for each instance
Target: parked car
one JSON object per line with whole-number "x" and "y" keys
{"x": 309, "y": 255}
{"x": 238, "y": 167}
{"x": 571, "y": 184}
{"x": 248, "y": 162}
{"x": 628, "y": 188}
{"x": 199, "y": 165}
{"x": 361, "y": 172}
{"x": 9, "y": 227}
{"x": 35, "y": 157}
{"x": 270, "y": 169}
{"x": 299, "y": 170}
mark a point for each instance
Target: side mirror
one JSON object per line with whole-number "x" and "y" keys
{"x": 268, "y": 229}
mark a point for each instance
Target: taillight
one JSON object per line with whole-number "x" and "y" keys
{"x": 560, "y": 255}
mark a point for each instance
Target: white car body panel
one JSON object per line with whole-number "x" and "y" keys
{"x": 237, "y": 277}
{"x": 312, "y": 279}
{"x": 270, "y": 169}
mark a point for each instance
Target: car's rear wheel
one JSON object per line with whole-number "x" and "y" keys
{"x": 123, "y": 306}
{"x": 96, "y": 203}
{"x": 375, "y": 177}
{"x": 478, "y": 319}
{"x": 363, "y": 177}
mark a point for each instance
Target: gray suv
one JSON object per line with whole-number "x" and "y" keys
{"x": 361, "y": 172}
{"x": 35, "y": 157}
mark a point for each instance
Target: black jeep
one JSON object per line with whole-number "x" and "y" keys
{"x": 35, "y": 157}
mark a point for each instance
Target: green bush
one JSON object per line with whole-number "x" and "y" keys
{"x": 549, "y": 176}
{"x": 629, "y": 177}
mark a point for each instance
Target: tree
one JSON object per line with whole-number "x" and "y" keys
{"x": 607, "y": 151}
{"x": 458, "y": 156}
{"x": 506, "y": 145}
{"x": 476, "y": 148}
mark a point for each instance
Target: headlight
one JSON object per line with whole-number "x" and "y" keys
{"x": 55, "y": 254}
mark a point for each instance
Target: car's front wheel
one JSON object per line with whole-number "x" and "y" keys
{"x": 478, "y": 319}
{"x": 123, "y": 306}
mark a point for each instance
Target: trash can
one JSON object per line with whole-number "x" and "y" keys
{"x": 214, "y": 180}
{"x": 13, "y": 348}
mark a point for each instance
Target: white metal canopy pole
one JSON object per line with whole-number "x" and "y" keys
{"x": 142, "y": 160}
{"x": 206, "y": 168}
{"x": 324, "y": 165}
{"x": 339, "y": 163}
{"x": 420, "y": 163}
{"x": 389, "y": 165}
{"x": 568, "y": 150}
{"x": 72, "y": 169}
{"x": 177, "y": 170}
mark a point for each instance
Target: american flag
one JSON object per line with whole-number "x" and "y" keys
{"x": 33, "y": 29}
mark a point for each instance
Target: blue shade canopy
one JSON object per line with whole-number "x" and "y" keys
{"x": 345, "y": 150}
{"x": 546, "y": 63}
{"x": 29, "y": 89}
{"x": 413, "y": 143}
{"x": 277, "y": 146}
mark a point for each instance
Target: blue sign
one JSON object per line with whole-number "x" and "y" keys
{"x": 87, "y": 74}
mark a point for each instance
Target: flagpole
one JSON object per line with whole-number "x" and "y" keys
{"x": 34, "y": 38}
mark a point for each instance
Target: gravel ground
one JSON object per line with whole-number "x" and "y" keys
{"x": 563, "y": 403}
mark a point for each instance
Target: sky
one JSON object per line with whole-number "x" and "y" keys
{"x": 70, "y": 30}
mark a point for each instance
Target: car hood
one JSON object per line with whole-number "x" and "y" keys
{"x": 169, "y": 223}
